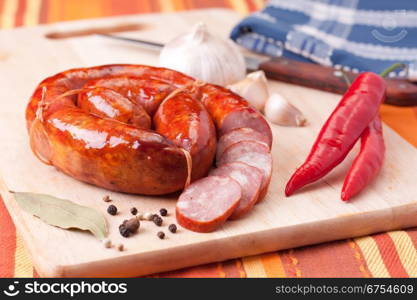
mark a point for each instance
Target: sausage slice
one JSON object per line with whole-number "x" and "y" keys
{"x": 254, "y": 154}
{"x": 250, "y": 180}
{"x": 238, "y": 135}
{"x": 207, "y": 203}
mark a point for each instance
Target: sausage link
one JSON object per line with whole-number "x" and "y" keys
{"x": 104, "y": 152}
{"x": 186, "y": 122}
{"x": 76, "y": 78}
{"x": 147, "y": 92}
{"x": 114, "y": 155}
{"x": 84, "y": 140}
{"x": 107, "y": 103}
{"x": 230, "y": 111}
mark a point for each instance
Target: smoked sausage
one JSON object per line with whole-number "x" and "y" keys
{"x": 107, "y": 103}
{"x": 185, "y": 121}
{"x": 230, "y": 111}
{"x": 133, "y": 128}
{"x": 113, "y": 155}
{"x": 104, "y": 151}
{"x": 144, "y": 91}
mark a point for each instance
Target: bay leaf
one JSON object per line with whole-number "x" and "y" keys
{"x": 63, "y": 213}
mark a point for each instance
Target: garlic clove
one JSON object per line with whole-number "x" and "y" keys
{"x": 254, "y": 88}
{"x": 204, "y": 56}
{"x": 279, "y": 111}
{"x": 257, "y": 76}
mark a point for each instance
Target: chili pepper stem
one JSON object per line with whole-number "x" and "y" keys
{"x": 391, "y": 68}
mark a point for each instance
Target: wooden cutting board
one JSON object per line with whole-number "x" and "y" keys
{"x": 312, "y": 216}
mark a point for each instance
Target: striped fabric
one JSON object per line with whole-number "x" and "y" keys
{"x": 356, "y": 35}
{"x": 382, "y": 255}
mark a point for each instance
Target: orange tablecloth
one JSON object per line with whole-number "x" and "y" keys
{"x": 390, "y": 254}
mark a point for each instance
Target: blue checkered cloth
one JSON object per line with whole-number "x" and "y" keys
{"x": 353, "y": 35}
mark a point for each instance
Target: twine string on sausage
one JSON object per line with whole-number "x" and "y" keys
{"x": 37, "y": 127}
{"x": 189, "y": 161}
{"x": 192, "y": 88}
{"x": 175, "y": 92}
{"x": 70, "y": 93}
{"x": 75, "y": 92}
{"x": 198, "y": 84}
{"x": 41, "y": 105}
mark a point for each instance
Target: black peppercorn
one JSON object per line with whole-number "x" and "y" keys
{"x": 163, "y": 212}
{"x": 157, "y": 220}
{"x": 172, "y": 228}
{"x": 112, "y": 210}
{"x": 132, "y": 225}
{"x": 161, "y": 235}
{"x": 129, "y": 227}
{"x": 133, "y": 211}
{"x": 124, "y": 231}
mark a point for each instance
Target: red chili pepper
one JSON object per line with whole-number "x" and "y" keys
{"x": 368, "y": 162}
{"x": 356, "y": 110}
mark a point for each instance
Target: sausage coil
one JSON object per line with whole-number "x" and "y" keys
{"x": 133, "y": 128}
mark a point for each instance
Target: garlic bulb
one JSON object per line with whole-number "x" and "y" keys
{"x": 279, "y": 111}
{"x": 253, "y": 88}
{"x": 204, "y": 56}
